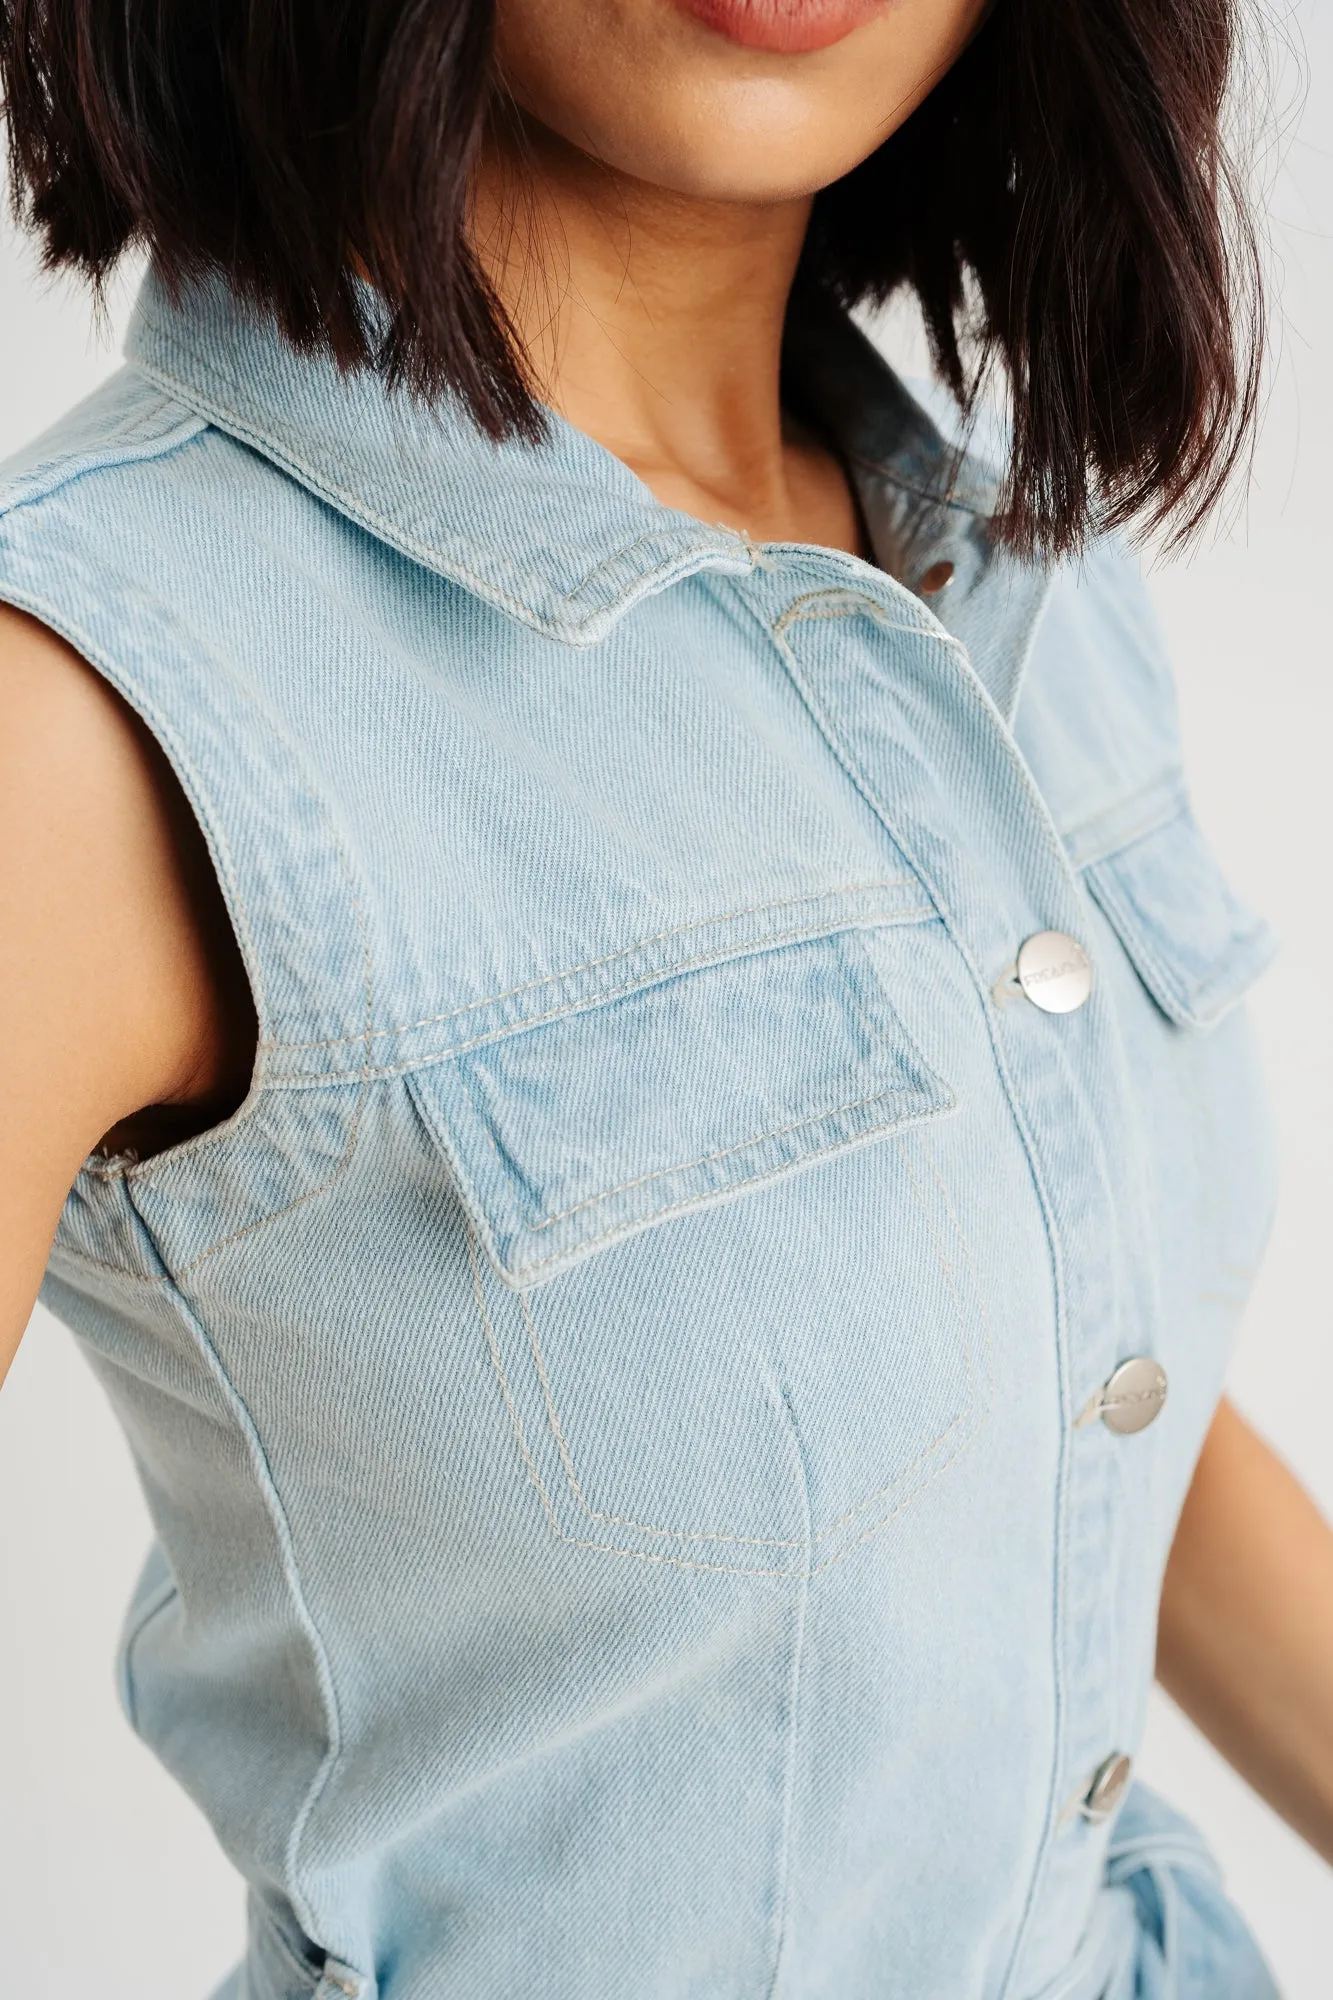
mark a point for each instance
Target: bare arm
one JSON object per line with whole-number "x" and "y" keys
{"x": 106, "y": 999}
{"x": 1245, "y": 1638}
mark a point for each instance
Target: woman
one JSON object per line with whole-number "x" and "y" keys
{"x": 622, "y": 1046}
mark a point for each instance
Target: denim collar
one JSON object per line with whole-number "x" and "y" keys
{"x": 562, "y": 535}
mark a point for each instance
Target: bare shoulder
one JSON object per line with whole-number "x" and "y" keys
{"x": 109, "y": 992}
{"x": 95, "y": 926}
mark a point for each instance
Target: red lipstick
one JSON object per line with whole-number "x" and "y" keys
{"x": 787, "y": 27}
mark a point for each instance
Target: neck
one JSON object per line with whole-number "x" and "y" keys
{"x": 654, "y": 322}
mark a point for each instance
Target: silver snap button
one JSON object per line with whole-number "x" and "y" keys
{"x": 937, "y": 578}
{"x": 1054, "y": 972}
{"x": 1133, "y": 1396}
{"x": 1109, "y": 1784}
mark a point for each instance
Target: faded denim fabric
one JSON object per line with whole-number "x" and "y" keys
{"x": 608, "y": 1398}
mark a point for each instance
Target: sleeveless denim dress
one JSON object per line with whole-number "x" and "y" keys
{"x": 624, "y": 1401}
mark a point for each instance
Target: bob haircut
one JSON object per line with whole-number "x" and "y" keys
{"x": 1062, "y": 204}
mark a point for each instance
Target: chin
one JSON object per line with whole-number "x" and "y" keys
{"x": 752, "y": 145}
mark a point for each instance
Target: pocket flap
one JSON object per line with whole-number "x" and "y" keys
{"x": 570, "y": 1135}
{"x": 1196, "y": 946}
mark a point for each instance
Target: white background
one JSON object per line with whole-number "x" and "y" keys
{"x": 109, "y": 1880}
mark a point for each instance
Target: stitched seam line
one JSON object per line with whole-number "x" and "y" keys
{"x": 1174, "y": 994}
{"x": 789, "y": 1574}
{"x": 532, "y": 1273}
{"x": 587, "y": 1002}
{"x": 187, "y": 777}
{"x": 822, "y": 606}
{"x": 851, "y": 765}
{"x": 723, "y": 1153}
{"x": 134, "y": 1178}
{"x": 903, "y": 1475}
{"x": 226, "y": 420}
{"x": 686, "y": 1563}
{"x": 362, "y": 1082}
{"x": 1197, "y": 1002}
{"x": 686, "y": 550}
{"x": 611, "y": 958}
{"x": 1138, "y": 830}
{"x": 321, "y": 1778}
{"x": 1161, "y": 800}
{"x": 166, "y": 1593}
{"x": 981, "y": 505}
{"x": 144, "y": 1175}
{"x": 62, "y": 1253}
{"x": 310, "y": 1194}
{"x": 978, "y": 1290}
{"x": 69, "y": 468}
{"x": 275, "y": 1513}
{"x": 497, "y": 1363}
{"x": 429, "y": 554}
{"x": 272, "y": 1497}
{"x": 796, "y": 1684}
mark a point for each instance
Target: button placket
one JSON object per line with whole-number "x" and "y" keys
{"x": 909, "y": 718}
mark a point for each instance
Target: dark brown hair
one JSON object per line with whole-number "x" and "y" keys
{"x": 1062, "y": 204}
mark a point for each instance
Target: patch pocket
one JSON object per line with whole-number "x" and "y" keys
{"x": 1196, "y": 947}
{"x": 1197, "y": 950}
{"x": 709, "y": 1354}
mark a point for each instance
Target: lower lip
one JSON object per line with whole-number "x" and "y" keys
{"x": 787, "y": 27}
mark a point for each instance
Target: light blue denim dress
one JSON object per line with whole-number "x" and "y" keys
{"x": 622, "y": 1400}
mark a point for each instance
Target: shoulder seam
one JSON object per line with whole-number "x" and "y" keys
{"x": 126, "y": 446}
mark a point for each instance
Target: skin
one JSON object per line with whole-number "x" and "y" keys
{"x": 116, "y": 981}
{"x": 639, "y": 210}
{"x": 641, "y": 215}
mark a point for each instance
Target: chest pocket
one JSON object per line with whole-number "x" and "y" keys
{"x": 1210, "y": 1170}
{"x": 1195, "y": 946}
{"x": 729, "y": 1333}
